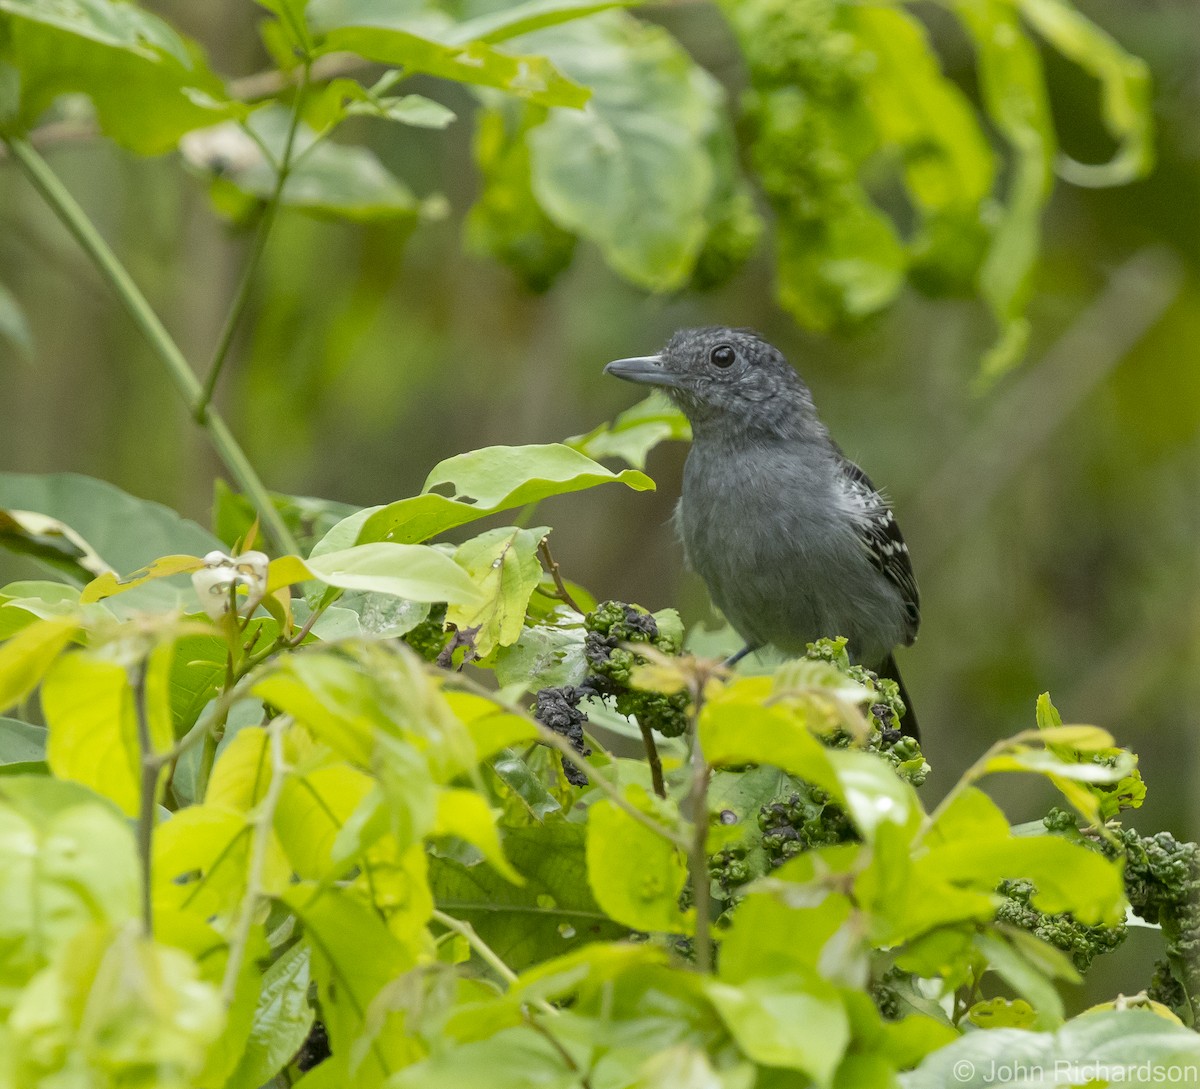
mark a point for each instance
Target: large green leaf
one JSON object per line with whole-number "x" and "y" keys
{"x": 149, "y": 85}
{"x": 420, "y": 42}
{"x": 26, "y": 656}
{"x": 415, "y": 572}
{"x": 68, "y": 860}
{"x": 503, "y": 563}
{"x": 1125, "y": 91}
{"x": 488, "y": 481}
{"x": 1104, "y": 1048}
{"x": 795, "y": 1021}
{"x": 635, "y": 432}
{"x": 281, "y": 1021}
{"x": 324, "y": 179}
{"x": 353, "y": 958}
{"x": 636, "y": 875}
{"x": 88, "y": 701}
{"x": 552, "y": 913}
{"x": 633, "y": 171}
{"x": 126, "y": 532}
{"x": 1014, "y": 90}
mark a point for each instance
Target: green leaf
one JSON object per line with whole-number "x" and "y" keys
{"x": 874, "y": 794}
{"x": 1025, "y": 977}
{"x": 633, "y": 172}
{"x": 201, "y": 859}
{"x": 416, "y": 572}
{"x": 796, "y": 1021}
{"x": 325, "y": 179}
{"x": 1125, "y": 87}
{"x": 127, "y": 533}
{"x": 503, "y": 564}
{"x": 13, "y": 326}
{"x": 737, "y": 727}
{"x": 635, "y": 432}
{"x": 420, "y": 43}
{"x": 466, "y": 815}
{"x": 20, "y": 742}
{"x": 25, "y": 657}
{"x": 526, "y": 785}
{"x": 52, "y": 543}
{"x": 281, "y": 1021}
{"x": 506, "y": 221}
{"x": 486, "y": 482}
{"x": 513, "y": 20}
{"x": 354, "y": 957}
{"x": 1103, "y": 1048}
{"x": 118, "y": 1002}
{"x": 313, "y": 808}
{"x": 68, "y": 861}
{"x": 149, "y": 85}
{"x": 760, "y": 939}
{"x": 848, "y": 265}
{"x": 1014, "y": 91}
{"x": 109, "y": 583}
{"x": 636, "y": 875}
{"x": 544, "y": 656}
{"x": 514, "y": 1058}
{"x": 88, "y": 701}
{"x": 552, "y": 913}
{"x": 1068, "y": 877}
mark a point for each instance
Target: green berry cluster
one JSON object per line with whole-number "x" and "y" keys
{"x": 614, "y": 630}
{"x": 1080, "y": 942}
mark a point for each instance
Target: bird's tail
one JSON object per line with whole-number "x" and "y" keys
{"x": 908, "y": 724}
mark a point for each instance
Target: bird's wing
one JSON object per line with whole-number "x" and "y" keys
{"x": 881, "y": 537}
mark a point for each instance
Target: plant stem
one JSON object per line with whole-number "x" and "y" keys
{"x": 150, "y": 767}
{"x": 486, "y": 953}
{"x": 564, "y": 595}
{"x": 262, "y": 821}
{"x": 653, "y": 759}
{"x": 698, "y": 857}
{"x": 242, "y": 296}
{"x": 76, "y": 220}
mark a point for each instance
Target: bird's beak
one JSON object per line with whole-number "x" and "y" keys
{"x": 646, "y": 369}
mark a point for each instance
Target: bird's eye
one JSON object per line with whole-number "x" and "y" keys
{"x": 722, "y": 356}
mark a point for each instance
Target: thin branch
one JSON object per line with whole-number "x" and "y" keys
{"x": 262, "y": 821}
{"x": 653, "y": 759}
{"x": 564, "y": 594}
{"x": 150, "y": 767}
{"x": 76, "y": 220}
{"x": 698, "y": 855}
{"x": 567, "y": 1058}
{"x": 242, "y": 296}
{"x": 486, "y": 953}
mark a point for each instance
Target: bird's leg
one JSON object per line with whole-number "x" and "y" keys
{"x": 749, "y": 648}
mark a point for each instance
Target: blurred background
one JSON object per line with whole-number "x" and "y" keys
{"x": 1053, "y": 519}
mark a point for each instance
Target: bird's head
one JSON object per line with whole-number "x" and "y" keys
{"x": 723, "y": 377}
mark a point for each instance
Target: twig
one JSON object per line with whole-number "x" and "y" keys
{"x": 564, "y": 594}
{"x": 486, "y": 953}
{"x": 262, "y": 822}
{"x": 242, "y": 295}
{"x": 76, "y": 220}
{"x": 655, "y": 762}
{"x": 567, "y": 1058}
{"x": 150, "y": 767}
{"x": 698, "y": 853}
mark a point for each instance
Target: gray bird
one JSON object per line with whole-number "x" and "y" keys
{"x": 791, "y": 537}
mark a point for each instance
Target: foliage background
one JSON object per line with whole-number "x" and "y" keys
{"x": 1053, "y": 521}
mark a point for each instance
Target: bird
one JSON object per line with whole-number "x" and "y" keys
{"x": 790, "y": 536}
